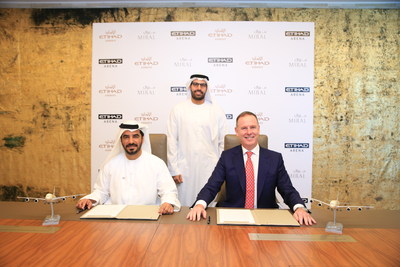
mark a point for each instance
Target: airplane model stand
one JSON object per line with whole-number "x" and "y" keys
{"x": 51, "y": 219}
{"x": 51, "y": 199}
{"x": 334, "y": 205}
{"x": 334, "y": 227}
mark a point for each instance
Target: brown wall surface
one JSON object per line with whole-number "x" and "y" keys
{"x": 45, "y": 100}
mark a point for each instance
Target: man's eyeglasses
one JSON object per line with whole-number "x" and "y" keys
{"x": 202, "y": 85}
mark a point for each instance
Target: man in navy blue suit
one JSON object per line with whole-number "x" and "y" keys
{"x": 268, "y": 173}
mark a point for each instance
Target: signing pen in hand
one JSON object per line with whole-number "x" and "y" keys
{"x": 80, "y": 210}
{"x": 209, "y": 219}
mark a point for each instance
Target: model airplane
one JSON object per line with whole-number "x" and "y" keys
{"x": 51, "y": 199}
{"x": 335, "y": 205}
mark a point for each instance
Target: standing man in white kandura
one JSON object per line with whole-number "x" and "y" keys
{"x": 196, "y": 129}
{"x": 131, "y": 175}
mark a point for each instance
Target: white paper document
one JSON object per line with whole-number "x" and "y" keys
{"x": 104, "y": 211}
{"x": 236, "y": 215}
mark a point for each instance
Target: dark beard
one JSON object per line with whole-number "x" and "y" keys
{"x": 197, "y": 97}
{"x": 134, "y": 152}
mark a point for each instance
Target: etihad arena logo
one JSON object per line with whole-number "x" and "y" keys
{"x": 297, "y": 147}
{"x": 220, "y": 61}
{"x": 110, "y": 36}
{"x": 110, "y": 118}
{"x": 111, "y": 61}
{"x": 178, "y": 89}
{"x": 297, "y": 35}
{"x": 220, "y": 34}
{"x": 183, "y": 35}
{"x": 297, "y": 91}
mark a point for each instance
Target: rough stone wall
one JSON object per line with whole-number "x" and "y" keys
{"x": 45, "y": 85}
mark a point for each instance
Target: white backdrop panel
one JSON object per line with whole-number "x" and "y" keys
{"x": 139, "y": 72}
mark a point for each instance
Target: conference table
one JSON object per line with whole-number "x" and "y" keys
{"x": 369, "y": 238}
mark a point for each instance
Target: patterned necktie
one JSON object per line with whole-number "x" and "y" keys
{"x": 249, "y": 203}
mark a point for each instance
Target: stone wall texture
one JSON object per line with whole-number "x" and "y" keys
{"x": 45, "y": 97}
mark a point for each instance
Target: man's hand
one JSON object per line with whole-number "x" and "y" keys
{"x": 85, "y": 204}
{"x": 196, "y": 213}
{"x": 178, "y": 179}
{"x": 166, "y": 208}
{"x": 303, "y": 217}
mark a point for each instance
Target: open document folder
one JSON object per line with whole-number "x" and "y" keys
{"x": 128, "y": 212}
{"x": 273, "y": 217}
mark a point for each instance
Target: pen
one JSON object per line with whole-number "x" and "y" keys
{"x": 209, "y": 219}
{"x": 80, "y": 210}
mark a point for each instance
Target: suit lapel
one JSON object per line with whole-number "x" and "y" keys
{"x": 239, "y": 167}
{"x": 262, "y": 170}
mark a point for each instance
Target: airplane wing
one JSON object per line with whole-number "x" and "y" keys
{"x": 36, "y": 199}
{"x": 71, "y": 196}
{"x": 319, "y": 202}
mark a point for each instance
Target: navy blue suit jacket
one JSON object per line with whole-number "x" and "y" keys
{"x": 271, "y": 174}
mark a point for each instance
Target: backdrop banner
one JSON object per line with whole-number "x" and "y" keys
{"x": 140, "y": 69}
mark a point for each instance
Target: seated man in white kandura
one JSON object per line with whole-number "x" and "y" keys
{"x": 131, "y": 175}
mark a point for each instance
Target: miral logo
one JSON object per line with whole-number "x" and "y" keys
{"x": 183, "y": 63}
{"x": 258, "y": 35}
{"x": 298, "y": 174}
{"x": 146, "y": 35}
{"x": 147, "y": 90}
{"x": 258, "y": 90}
{"x": 298, "y": 119}
{"x": 298, "y": 63}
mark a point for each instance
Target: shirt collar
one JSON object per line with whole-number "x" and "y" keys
{"x": 255, "y": 150}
